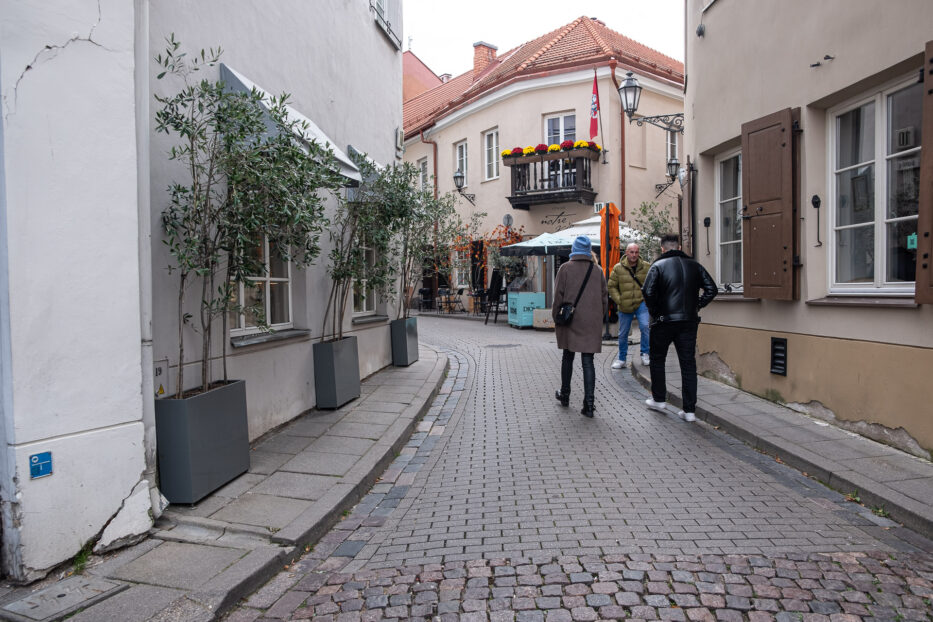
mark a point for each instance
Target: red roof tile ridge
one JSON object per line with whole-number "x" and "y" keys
{"x": 547, "y": 46}
{"x": 594, "y": 32}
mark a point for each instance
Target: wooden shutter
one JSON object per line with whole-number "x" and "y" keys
{"x": 924, "y": 287}
{"x": 769, "y": 223}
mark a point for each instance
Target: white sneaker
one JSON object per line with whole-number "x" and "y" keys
{"x": 688, "y": 417}
{"x": 617, "y": 364}
{"x": 645, "y": 360}
{"x": 658, "y": 406}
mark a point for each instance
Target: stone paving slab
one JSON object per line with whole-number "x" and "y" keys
{"x": 884, "y": 477}
{"x": 201, "y": 559}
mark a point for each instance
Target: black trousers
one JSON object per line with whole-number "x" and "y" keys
{"x": 684, "y": 337}
{"x": 589, "y": 374}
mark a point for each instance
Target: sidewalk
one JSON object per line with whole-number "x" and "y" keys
{"x": 304, "y": 477}
{"x": 882, "y": 476}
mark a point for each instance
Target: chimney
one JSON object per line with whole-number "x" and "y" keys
{"x": 483, "y": 54}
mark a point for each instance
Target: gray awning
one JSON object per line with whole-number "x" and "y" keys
{"x": 236, "y": 81}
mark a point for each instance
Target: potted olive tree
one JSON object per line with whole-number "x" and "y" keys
{"x": 361, "y": 234}
{"x": 246, "y": 173}
{"x": 423, "y": 223}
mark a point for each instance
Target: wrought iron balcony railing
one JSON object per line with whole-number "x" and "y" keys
{"x": 556, "y": 177}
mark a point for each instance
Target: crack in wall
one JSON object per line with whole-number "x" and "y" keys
{"x": 51, "y": 51}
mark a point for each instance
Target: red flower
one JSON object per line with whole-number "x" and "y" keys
{"x": 591, "y": 144}
{"x": 567, "y": 144}
{"x": 540, "y": 148}
{"x": 517, "y": 151}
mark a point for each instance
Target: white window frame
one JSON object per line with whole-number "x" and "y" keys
{"x": 370, "y": 296}
{"x": 491, "y": 154}
{"x": 464, "y": 264}
{"x": 879, "y": 287}
{"x": 717, "y": 219}
{"x": 673, "y": 145}
{"x": 562, "y": 116}
{"x": 241, "y": 328}
{"x": 422, "y": 173}
{"x": 461, "y": 161}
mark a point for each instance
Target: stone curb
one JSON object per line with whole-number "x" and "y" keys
{"x": 907, "y": 511}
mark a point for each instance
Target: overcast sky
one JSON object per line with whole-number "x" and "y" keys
{"x": 443, "y": 31}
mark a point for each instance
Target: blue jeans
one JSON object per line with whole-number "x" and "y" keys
{"x": 625, "y": 324}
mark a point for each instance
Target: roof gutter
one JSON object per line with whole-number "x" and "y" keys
{"x": 612, "y": 74}
{"x": 434, "y": 161}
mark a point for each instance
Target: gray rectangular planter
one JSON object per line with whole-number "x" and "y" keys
{"x": 203, "y": 442}
{"x": 404, "y": 341}
{"x": 336, "y": 372}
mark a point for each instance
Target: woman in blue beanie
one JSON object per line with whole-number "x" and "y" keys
{"x": 580, "y": 277}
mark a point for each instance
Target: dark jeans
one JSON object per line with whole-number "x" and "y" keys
{"x": 684, "y": 337}
{"x": 589, "y": 374}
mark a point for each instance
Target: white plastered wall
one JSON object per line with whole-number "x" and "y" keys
{"x": 342, "y": 73}
{"x": 71, "y": 381}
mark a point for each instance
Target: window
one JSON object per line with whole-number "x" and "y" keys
{"x": 491, "y": 154}
{"x": 266, "y": 298}
{"x": 387, "y": 14}
{"x": 672, "y": 138}
{"x": 461, "y": 161}
{"x": 729, "y": 220}
{"x": 364, "y": 294}
{"x": 558, "y": 128}
{"x": 462, "y": 264}
{"x": 876, "y": 173}
{"x": 423, "y": 173}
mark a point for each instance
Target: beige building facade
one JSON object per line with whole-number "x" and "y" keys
{"x": 482, "y": 113}
{"x": 813, "y": 165}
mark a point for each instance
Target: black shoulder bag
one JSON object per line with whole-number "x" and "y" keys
{"x": 565, "y": 313}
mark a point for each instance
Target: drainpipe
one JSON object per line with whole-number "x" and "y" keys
{"x": 144, "y": 217}
{"x": 434, "y": 165}
{"x": 612, "y": 72}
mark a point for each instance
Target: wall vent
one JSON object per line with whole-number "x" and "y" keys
{"x": 779, "y": 356}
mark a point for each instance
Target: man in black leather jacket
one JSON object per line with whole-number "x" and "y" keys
{"x": 672, "y": 294}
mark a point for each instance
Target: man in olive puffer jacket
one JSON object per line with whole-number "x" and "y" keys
{"x": 625, "y": 283}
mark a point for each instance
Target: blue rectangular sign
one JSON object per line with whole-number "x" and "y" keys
{"x": 40, "y": 465}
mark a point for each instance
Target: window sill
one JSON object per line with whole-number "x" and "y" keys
{"x": 865, "y": 301}
{"x": 733, "y": 297}
{"x": 289, "y": 334}
{"x": 369, "y": 319}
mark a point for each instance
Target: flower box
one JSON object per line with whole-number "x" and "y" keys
{"x": 589, "y": 154}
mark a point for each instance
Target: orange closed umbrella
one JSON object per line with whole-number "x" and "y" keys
{"x": 609, "y": 244}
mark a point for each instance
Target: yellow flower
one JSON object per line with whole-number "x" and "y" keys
{"x": 505, "y": 152}
{"x": 598, "y": 147}
{"x": 580, "y": 143}
{"x": 528, "y": 150}
{"x": 553, "y": 148}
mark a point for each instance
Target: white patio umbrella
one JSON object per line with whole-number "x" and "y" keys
{"x": 559, "y": 243}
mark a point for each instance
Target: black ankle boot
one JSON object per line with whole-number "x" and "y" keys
{"x": 564, "y": 399}
{"x": 588, "y": 409}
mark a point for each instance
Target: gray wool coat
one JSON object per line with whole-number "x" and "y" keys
{"x": 585, "y": 332}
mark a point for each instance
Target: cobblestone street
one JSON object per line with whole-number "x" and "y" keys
{"x": 504, "y": 505}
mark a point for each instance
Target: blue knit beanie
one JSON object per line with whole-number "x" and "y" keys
{"x": 581, "y": 246}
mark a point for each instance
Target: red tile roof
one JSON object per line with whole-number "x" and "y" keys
{"x": 585, "y": 42}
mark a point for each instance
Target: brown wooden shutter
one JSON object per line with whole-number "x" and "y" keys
{"x": 924, "y": 287}
{"x": 769, "y": 224}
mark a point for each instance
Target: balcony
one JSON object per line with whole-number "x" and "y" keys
{"x": 558, "y": 177}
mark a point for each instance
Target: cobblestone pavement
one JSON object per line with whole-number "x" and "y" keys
{"x": 506, "y": 506}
